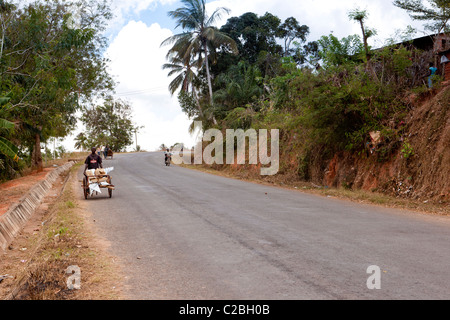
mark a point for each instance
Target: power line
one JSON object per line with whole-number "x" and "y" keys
{"x": 137, "y": 92}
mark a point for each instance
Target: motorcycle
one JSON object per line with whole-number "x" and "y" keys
{"x": 168, "y": 159}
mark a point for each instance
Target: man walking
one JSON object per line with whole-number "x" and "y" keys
{"x": 93, "y": 161}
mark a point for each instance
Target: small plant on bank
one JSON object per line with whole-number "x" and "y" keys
{"x": 407, "y": 150}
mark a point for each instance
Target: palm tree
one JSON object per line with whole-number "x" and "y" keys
{"x": 82, "y": 142}
{"x": 185, "y": 78}
{"x": 6, "y": 147}
{"x": 184, "y": 71}
{"x": 199, "y": 34}
{"x": 360, "y": 16}
{"x": 239, "y": 86}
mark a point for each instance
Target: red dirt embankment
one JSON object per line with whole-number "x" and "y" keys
{"x": 414, "y": 164}
{"x": 12, "y": 191}
{"x": 418, "y": 169}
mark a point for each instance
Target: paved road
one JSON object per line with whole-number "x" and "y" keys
{"x": 184, "y": 234}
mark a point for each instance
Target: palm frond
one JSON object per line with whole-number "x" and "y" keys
{"x": 4, "y": 100}
{"x": 5, "y": 124}
{"x": 177, "y": 38}
{"x": 217, "y": 15}
{"x": 8, "y": 149}
{"x": 176, "y": 83}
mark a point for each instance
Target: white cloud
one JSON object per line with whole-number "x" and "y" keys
{"x": 137, "y": 58}
{"x": 324, "y": 16}
{"x": 136, "y": 61}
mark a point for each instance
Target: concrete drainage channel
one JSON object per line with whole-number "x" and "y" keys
{"x": 12, "y": 222}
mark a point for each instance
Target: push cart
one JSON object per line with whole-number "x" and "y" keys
{"x": 102, "y": 181}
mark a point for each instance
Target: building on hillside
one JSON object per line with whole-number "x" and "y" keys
{"x": 439, "y": 46}
{"x": 445, "y": 64}
{"x": 442, "y": 49}
{"x": 441, "y": 42}
{"x": 434, "y": 42}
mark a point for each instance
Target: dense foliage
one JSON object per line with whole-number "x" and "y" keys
{"x": 326, "y": 96}
{"x": 51, "y": 67}
{"x": 108, "y": 124}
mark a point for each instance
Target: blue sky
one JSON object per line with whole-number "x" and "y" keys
{"x": 160, "y": 15}
{"x": 137, "y": 58}
{"x": 155, "y": 13}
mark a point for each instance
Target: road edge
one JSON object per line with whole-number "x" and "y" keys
{"x": 12, "y": 222}
{"x": 356, "y": 196}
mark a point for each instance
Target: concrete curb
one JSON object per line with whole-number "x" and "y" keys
{"x": 12, "y": 222}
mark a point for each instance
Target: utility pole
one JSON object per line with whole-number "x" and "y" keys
{"x": 136, "y": 129}
{"x": 135, "y": 135}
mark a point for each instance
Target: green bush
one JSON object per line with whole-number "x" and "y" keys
{"x": 342, "y": 104}
{"x": 407, "y": 150}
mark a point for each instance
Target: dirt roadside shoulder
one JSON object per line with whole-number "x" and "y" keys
{"x": 61, "y": 234}
{"x": 359, "y": 196}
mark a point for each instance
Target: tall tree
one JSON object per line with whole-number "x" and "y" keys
{"x": 108, "y": 124}
{"x": 183, "y": 71}
{"x": 199, "y": 35}
{"x": 254, "y": 34}
{"x": 7, "y": 148}
{"x": 49, "y": 67}
{"x": 360, "y": 16}
{"x": 291, "y": 30}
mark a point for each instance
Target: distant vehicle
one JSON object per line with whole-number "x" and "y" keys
{"x": 168, "y": 160}
{"x": 167, "y": 157}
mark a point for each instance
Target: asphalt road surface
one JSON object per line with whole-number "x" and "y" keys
{"x": 184, "y": 234}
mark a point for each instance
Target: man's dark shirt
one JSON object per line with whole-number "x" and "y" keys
{"x": 93, "y": 161}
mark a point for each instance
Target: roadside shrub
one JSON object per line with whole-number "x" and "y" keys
{"x": 407, "y": 150}
{"x": 342, "y": 104}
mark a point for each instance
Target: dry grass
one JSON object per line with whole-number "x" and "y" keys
{"x": 67, "y": 239}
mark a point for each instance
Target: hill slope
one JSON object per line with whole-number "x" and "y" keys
{"x": 418, "y": 169}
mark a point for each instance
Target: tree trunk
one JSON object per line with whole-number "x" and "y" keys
{"x": 366, "y": 45}
{"x": 199, "y": 106}
{"x": 208, "y": 75}
{"x": 37, "y": 158}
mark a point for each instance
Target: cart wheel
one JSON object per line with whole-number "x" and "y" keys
{"x": 85, "y": 189}
{"x": 109, "y": 189}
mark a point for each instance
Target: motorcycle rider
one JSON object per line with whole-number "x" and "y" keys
{"x": 167, "y": 154}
